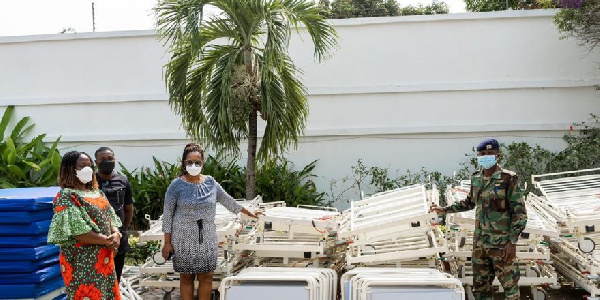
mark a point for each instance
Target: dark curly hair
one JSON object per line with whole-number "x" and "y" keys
{"x": 189, "y": 148}
{"x": 67, "y": 177}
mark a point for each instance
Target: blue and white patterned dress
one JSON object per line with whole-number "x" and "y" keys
{"x": 189, "y": 215}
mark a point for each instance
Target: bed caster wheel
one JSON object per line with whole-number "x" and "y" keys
{"x": 167, "y": 295}
{"x": 538, "y": 294}
{"x": 469, "y": 292}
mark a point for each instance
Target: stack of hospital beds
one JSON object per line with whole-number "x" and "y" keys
{"x": 230, "y": 227}
{"x": 389, "y": 246}
{"x": 573, "y": 200}
{"x": 303, "y": 235}
{"x": 392, "y": 227}
{"x": 274, "y": 283}
{"x": 399, "y": 283}
{"x": 390, "y": 232}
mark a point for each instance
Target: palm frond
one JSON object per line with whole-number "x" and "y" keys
{"x": 286, "y": 119}
{"x": 206, "y": 117}
{"x": 179, "y": 20}
{"x": 176, "y": 74}
{"x": 304, "y": 12}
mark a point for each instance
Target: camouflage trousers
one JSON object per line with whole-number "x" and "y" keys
{"x": 487, "y": 264}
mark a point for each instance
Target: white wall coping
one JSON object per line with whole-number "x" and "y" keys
{"x": 450, "y": 86}
{"x": 508, "y": 14}
{"x": 433, "y": 87}
{"x": 342, "y": 133}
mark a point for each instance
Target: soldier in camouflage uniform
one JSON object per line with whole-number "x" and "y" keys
{"x": 500, "y": 219}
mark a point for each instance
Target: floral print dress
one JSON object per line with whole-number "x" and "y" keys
{"x": 88, "y": 270}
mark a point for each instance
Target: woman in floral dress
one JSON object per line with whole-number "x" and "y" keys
{"x": 86, "y": 228}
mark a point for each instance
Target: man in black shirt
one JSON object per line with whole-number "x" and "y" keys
{"x": 117, "y": 189}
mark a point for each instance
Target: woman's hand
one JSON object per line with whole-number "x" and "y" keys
{"x": 251, "y": 213}
{"x": 436, "y": 208}
{"x": 167, "y": 250}
{"x": 115, "y": 240}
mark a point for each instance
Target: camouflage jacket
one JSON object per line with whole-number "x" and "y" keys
{"x": 501, "y": 215}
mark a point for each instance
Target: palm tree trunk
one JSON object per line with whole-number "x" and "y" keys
{"x": 251, "y": 163}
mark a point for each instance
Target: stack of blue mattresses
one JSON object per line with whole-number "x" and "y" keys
{"x": 29, "y": 267}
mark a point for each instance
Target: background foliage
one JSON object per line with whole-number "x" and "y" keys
{"x": 497, "y": 5}
{"x": 276, "y": 181}
{"x": 345, "y": 9}
{"x": 582, "y": 151}
{"x": 25, "y": 163}
{"x": 580, "y": 19}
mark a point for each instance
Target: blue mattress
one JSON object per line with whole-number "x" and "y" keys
{"x": 29, "y": 254}
{"x": 61, "y": 297}
{"x": 27, "y": 199}
{"x": 15, "y": 291}
{"x": 27, "y": 266}
{"x": 25, "y": 217}
{"x": 35, "y": 228}
{"x": 23, "y": 241}
{"x": 38, "y": 276}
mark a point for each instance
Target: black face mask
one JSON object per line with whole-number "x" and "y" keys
{"x": 106, "y": 166}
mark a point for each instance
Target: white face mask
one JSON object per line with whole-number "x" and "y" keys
{"x": 85, "y": 174}
{"x": 193, "y": 170}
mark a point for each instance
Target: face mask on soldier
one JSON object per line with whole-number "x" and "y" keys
{"x": 486, "y": 161}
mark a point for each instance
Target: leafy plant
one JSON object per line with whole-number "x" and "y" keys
{"x": 435, "y": 8}
{"x": 26, "y": 163}
{"x": 582, "y": 152}
{"x": 277, "y": 181}
{"x": 138, "y": 252}
{"x": 227, "y": 173}
{"x": 343, "y": 9}
{"x": 497, "y": 5}
{"x": 580, "y": 19}
{"x": 149, "y": 186}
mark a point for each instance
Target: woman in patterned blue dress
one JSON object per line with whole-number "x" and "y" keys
{"x": 189, "y": 223}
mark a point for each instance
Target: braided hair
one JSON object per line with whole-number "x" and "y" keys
{"x": 189, "y": 148}
{"x": 67, "y": 177}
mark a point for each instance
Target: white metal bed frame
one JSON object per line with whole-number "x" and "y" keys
{"x": 393, "y": 208}
{"x": 321, "y": 282}
{"x": 293, "y": 232}
{"x": 573, "y": 200}
{"x": 363, "y": 278}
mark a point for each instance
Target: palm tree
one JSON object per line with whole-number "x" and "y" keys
{"x": 229, "y": 69}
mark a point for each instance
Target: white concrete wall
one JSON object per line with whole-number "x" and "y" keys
{"x": 404, "y": 92}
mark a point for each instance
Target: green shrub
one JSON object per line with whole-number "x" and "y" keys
{"x": 26, "y": 163}
{"x": 227, "y": 173}
{"x": 149, "y": 187}
{"x": 435, "y": 8}
{"x": 582, "y": 152}
{"x": 277, "y": 181}
{"x": 138, "y": 252}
